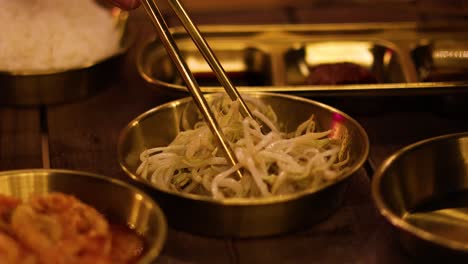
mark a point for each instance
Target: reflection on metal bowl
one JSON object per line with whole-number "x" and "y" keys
{"x": 119, "y": 202}
{"x": 422, "y": 190}
{"x": 243, "y": 217}
{"x": 39, "y": 87}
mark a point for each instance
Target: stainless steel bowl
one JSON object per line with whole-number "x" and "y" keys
{"x": 422, "y": 190}
{"x": 29, "y": 88}
{"x": 121, "y": 203}
{"x": 245, "y": 217}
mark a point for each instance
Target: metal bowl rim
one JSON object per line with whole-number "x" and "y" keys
{"x": 246, "y": 201}
{"x": 393, "y": 218}
{"x": 145, "y": 76}
{"x": 154, "y": 251}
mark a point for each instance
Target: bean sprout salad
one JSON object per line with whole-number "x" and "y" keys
{"x": 271, "y": 163}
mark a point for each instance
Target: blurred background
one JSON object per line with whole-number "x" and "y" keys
{"x": 327, "y": 11}
{"x": 243, "y": 12}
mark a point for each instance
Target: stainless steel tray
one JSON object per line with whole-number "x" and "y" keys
{"x": 403, "y": 58}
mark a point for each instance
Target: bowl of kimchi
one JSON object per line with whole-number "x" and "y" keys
{"x": 69, "y": 216}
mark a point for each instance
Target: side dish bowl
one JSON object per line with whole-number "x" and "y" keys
{"x": 422, "y": 190}
{"x": 244, "y": 217}
{"x": 119, "y": 202}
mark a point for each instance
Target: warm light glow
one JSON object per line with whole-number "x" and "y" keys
{"x": 464, "y": 150}
{"x": 199, "y": 65}
{"x": 333, "y": 52}
{"x": 138, "y": 197}
{"x": 388, "y": 55}
{"x": 462, "y": 54}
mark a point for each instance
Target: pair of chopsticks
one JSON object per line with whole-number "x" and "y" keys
{"x": 174, "y": 53}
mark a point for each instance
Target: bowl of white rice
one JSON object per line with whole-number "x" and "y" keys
{"x": 53, "y": 51}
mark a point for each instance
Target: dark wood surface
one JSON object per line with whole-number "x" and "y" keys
{"x": 20, "y": 138}
{"x": 83, "y": 136}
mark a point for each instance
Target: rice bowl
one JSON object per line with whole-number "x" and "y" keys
{"x": 59, "y": 58}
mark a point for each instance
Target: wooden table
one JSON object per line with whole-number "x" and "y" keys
{"x": 83, "y": 135}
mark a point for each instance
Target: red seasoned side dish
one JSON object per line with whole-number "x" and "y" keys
{"x": 339, "y": 73}
{"x": 57, "y": 228}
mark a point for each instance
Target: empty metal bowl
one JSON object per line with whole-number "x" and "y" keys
{"x": 39, "y": 87}
{"x": 119, "y": 202}
{"x": 422, "y": 190}
{"x": 242, "y": 217}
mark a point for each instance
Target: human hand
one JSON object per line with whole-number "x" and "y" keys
{"x": 126, "y": 4}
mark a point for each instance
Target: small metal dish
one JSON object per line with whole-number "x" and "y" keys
{"x": 119, "y": 202}
{"x": 242, "y": 217}
{"x": 31, "y": 88}
{"x": 422, "y": 190}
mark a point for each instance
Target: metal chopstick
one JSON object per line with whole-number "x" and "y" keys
{"x": 173, "y": 51}
{"x": 208, "y": 54}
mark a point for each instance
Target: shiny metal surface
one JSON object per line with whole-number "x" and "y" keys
{"x": 422, "y": 190}
{"x": 64, "y": 85}
{"x": 274, "y": 58}
{"x": 242, "y": 217}
{"x": 121, "y": 203}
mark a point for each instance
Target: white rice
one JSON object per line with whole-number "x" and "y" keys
{"x": 44, "y": 35}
